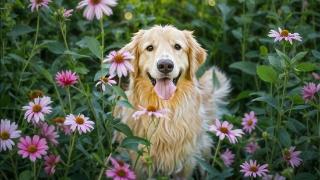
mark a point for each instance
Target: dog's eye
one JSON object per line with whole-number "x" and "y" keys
{"x": 150, "y": 48}
{"x": 177, "y": 46}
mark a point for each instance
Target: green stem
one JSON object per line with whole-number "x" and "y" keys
{"x": 34, "y": 171}
{"x": 216, "y": 153}
{"x": 32, "y": 50}
{"x": 105, "y": 164}
{"x": 69, "y": 98}
{"x": 70, "y": 154}
{"x": 102, "y": 39}
{"x": 14, "y": 167}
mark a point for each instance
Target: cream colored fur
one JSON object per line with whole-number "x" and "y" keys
{"x": 180, "y": 138}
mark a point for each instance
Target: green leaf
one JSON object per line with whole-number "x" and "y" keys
{"x": 93, "y": 45}
{"x": 284, "y": 138}
{"x": 119, "y": 92}
{"x": 263, "y": 51}
{"x": 267, "y": 99}
{"x": 245, "y": 66}
{"x": 316, "y": 54}
{"x": 121, "y": 127}
{"x": 267, "y": 74}
{"x": 282, "y": 55}
{"x": 306, "y": 176}
{"x": 125, "y": 103}
{"x": 81, "y": 70}
{"x": 101, "y": 73}
{"x": 275, "y": 62}
{"x": 54, "y": 47}
{"x": 25, "y": 175}
{"x": 298, "y": 57}
{"x": 132, "y": 142}
{"x": 306, "y": 67}
{"x": 20, "y": 30}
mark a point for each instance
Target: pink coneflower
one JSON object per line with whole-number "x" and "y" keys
{"x": 37, "y": 108}
{"x": 292, "y": 157}
{"x": 60, "y": 123}
{"x": 36, "y": 4}
{"x": 275, "y": 177}
{"x": 48, "y": 132}
{"x": 254, "y": 169}
{"x": 50, "y": 163}
{"x": 35, "y": 93}
{"x": 251, "y": 147}
{"x": 249, "y": 122}
{"x": 120, "y": 64}
{"x": 309, "y": 91}
{"x": 80, "y": 122}
{"x": 97, "y": 8}
{"x": 34, "y": 148}
{"x": 104, "y": 81}
{"x": 151, "y": 111}
{"x": 66, "y": 78}
{"x": 67, "y": 13}
{"x": 120, "y": 171}
{"x": 224, "y": 129}
{"x": 227, "y": 157}
{"x": 284, "y": 35}
{"x": 8, "y": 131}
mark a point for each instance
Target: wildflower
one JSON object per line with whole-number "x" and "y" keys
{"x": 284, "y": 35}
{"x": 227, "y": 157}
{"x": 66, "y": 78}
{"x": 33, "y": 148}
{"x": 48, "y": 132}
{"x": 60, "y": 122}
{"x": 251, "y": 147}
{"x": 249, "y": 122}
{"x": 50, "y": 163}
{"x": 35, "y": 93}
{"x": 224, "y": 129}
{"x": 316, "y": 76}
{"x": 119, "y": 63}
{"x": 309, "y": 91}
{"x": 292, "y": 157}
{"x": 8, "y": 131}
{"x": 151, "y": 111}
{"x": 273, "y": 177}
{"x": 106, "y": 80}
{"x": 254, "y": 169}
{"x": 67, "y": 13}
{"x": 120, "y": 170}
{"x": 80, "y": 122}
{"x": 37, "y": 108}
{"x": 36, "y": 4}
{"x": 96, "y": 8}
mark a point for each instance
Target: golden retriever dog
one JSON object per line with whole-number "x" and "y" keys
{"x": 164, "y": 77}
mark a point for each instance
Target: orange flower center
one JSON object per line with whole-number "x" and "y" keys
{"x": 121, "y": 173}
{"x": 284, "y": 33}
{"x": 287, "y": 155}
{"x": 250, "y": 122}
{"x": 32, "y": 148}
{"x": 36, "y": 108}
{"x": 95, "y": 2}
{"x": 151, "y": 108}
{"x": 253, "y": 168}
{"x": 35, "y": 93}
{"x": 4, "y": 135}
{"x": 118, "y": 58}
{"x": 224, "y": 130}
{"x": 39, "y": 1}
{"x": 59, "y": 120}
{"x": 79, "y": 120}
{"x": 104, "y": 79}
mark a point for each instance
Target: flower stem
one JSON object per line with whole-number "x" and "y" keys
{"x": 105, "y": 164}
{"x": 69, "y": 98}
{"x": 70, "y": 153}
{"x": 34, "y": 171}
{"x": 102, "y": 39}
{"x": 216, "y": 153}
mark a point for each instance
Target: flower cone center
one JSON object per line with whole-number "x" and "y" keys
{"x": 95, "y": 2}
{"x": 287, "y": 155}
{"x": 35, "y": 94}
{"x": 253, "y": 169}
{"x": 59, "y": 120}
{"x": 121, "y": 173}
{"x": 79, "y": 120}
{"x": 4, "y": 135}
{"x": 39, "y": 1}
{"x": 151, "y": 109}
{"x": 32, "y": 148}
{"x": 284, "y": 33}
{"x": 224, "y": 130}
{"x": 118, "y": 58}
{"x": 36, "y": 108}
{"x": 250, "y": 122}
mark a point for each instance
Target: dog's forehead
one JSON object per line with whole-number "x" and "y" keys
{"x": 168, "y": 33}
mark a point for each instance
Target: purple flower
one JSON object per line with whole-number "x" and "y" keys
{"x": 284, "y": 35}
{"x": 224, "y": 129}
{"x": 254, "y": 169}
{"x": 292, "y": 157}
{"x": 120, "y": 171}
{"x": 249, "y": 122}
{"x": 120, "y": 64}
{"x": 96, "y": 8}
{"x": 251, "y": 147}
{"x": 309, "y": 91}
{"x": 273, "y": 177}
{"x": 227, "y": 157}
{"x": 48, "y": 132}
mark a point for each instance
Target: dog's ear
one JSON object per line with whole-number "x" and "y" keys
{"x": 196, "y": 54}
{"x": 133, "y": 48}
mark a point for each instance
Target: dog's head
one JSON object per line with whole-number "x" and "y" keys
{"x": 164, "y": 56}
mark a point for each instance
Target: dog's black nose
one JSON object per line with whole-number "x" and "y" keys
{"x": 165, "y": 65}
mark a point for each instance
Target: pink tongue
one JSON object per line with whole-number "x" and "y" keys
{"x": 165, "y": 88}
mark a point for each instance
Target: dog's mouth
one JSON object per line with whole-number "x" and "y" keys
{"x": 164, "y": 87}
